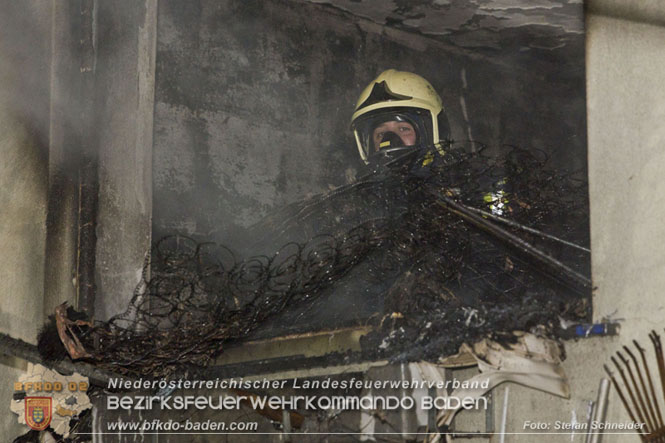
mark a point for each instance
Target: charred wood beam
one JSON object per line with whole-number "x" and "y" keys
{"x": 558, "y": 270}
{"x": 524, "y": 228}
{"x": 14, "y": 347}
{"x": 88, "y": 169}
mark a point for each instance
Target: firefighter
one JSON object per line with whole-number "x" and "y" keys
{"x": 396, "y": 112}
{"x": 400, "y": 111}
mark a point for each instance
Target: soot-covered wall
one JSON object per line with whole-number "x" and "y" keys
{"x": 253, "y": 101}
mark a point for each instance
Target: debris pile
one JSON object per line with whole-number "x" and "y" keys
{"x": 458, "y": 246}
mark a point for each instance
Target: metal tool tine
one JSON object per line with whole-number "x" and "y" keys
{"x": 658, "y": 349}
{"x": 630, "y": 393}
{"x": 623, "y": 399}
{"x": 644, "y": 394}
{"x": 642, "y": 352}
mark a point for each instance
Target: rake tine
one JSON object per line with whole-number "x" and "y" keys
{"x": 623, "y": 399}
{"x": 637, "y": 392}
{"x": 642, "y": 352}
{"x": 644, "y": 394}
{"x": 658, "y": 348}
{"x": 630, "y": 393}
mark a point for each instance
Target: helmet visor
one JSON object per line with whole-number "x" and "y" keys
{"x": 391, "y": 130}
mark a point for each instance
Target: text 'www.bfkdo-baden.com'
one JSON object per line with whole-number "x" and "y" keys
{"x": 157, "y": 425}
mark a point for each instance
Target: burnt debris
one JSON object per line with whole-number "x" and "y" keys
{"x": 435, "y": 249}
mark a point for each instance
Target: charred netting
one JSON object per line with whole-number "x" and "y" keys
{"x": 456, "y": 247}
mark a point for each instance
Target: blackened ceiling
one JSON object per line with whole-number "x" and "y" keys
{"x": 488, "y": 26}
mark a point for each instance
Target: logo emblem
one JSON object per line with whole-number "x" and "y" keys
{"x": 38, "y": 412}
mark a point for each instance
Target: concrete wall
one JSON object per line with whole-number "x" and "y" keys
{"x": 254, "y": 99}
{"x": 625, "y": 66}
{"x": 76, "y": 89}
{"x": 626, "y": 108}
{"x": 24, "y": 101}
